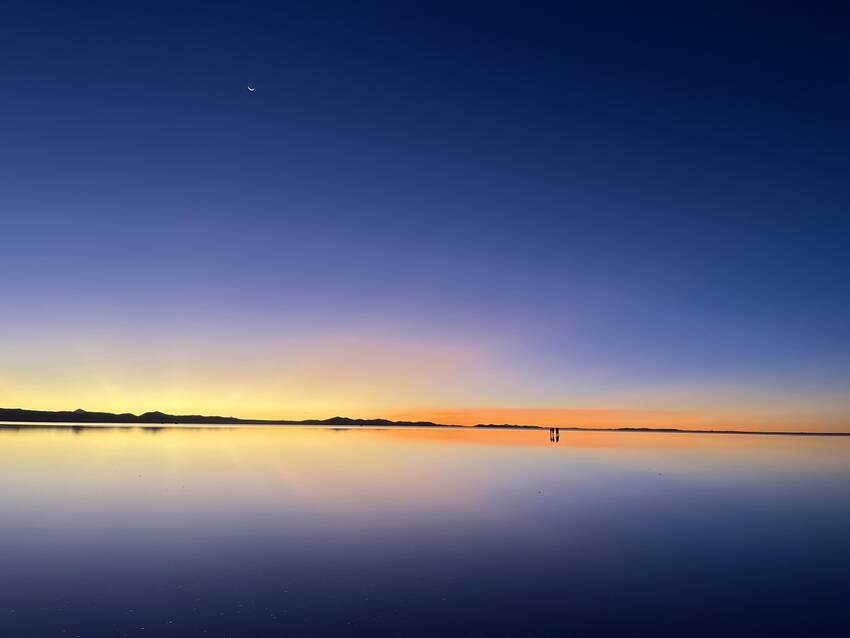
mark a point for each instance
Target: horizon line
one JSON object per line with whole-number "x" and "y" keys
{"x": 131, "y": 419}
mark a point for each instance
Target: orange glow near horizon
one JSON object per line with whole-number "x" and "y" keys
{"x": 619, "y": 418}
{"x": 590, "y": 418}
{"x": 369, "y": 376}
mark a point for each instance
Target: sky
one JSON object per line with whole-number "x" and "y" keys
{"x": 570, "y": 213}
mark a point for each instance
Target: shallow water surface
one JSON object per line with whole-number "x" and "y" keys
{"x": 400, "y": 532}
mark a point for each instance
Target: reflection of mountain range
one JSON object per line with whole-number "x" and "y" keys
{"x": 17, "y": 415}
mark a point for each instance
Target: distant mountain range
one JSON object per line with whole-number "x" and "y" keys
{"x": 161, "y": 418}
{"x": 77, "y": 417}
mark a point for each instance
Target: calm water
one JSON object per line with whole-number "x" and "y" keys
{"x": 298, "y": 532}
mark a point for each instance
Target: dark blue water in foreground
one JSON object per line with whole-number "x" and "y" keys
{"x": 300, "y": 532}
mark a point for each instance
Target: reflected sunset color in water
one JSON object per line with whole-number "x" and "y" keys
{"x": 264, "y": 531}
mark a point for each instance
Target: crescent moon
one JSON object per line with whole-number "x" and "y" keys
{"x": 250, "y": 89}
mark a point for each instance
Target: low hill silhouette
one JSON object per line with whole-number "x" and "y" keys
{"x": 84, "y": 416}
{"x": 79, "y": 416}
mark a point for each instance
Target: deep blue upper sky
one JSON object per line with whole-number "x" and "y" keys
{"x": 640, "y": 200}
